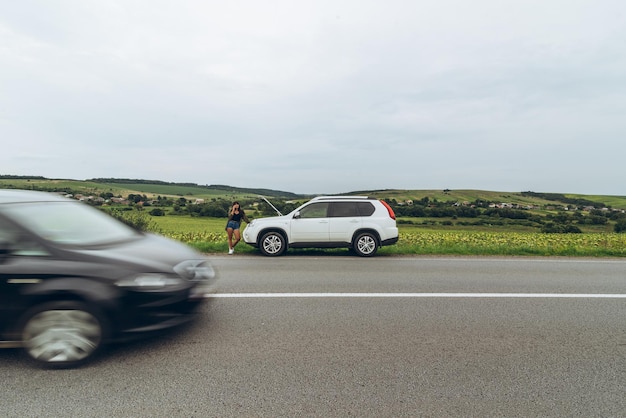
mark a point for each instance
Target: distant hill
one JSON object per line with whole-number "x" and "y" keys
{"x": 519, "y": 198}
{"x": 141, "y": 184}
{"x": 124, "y": 187}
{"x": 137, "y": 186}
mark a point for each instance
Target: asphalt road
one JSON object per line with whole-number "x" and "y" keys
{"x": 345, "y": 336}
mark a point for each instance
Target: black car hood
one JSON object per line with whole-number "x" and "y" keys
{"x": 147, "y": 253}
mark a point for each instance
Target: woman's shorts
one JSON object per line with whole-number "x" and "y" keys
{"x": 232, "y": 224}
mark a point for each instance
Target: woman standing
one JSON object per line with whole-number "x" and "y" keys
{"x": 235, "y": 215}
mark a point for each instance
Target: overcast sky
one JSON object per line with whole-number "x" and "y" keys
{"x": 318, "y": 96}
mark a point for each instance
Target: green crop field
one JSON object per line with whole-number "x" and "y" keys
{"x": 208, "y": 235}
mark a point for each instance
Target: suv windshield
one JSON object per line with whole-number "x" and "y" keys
{"x": 69, "y": 223}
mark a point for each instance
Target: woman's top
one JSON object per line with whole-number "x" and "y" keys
{"x": 238, "y": 216}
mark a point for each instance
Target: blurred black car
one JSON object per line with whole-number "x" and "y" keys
{"x": 73, "y": 279}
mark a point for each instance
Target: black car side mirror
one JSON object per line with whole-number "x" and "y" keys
{"x": 5, "y": 249}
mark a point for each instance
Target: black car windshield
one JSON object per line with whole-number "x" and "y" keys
{"x": 69, "y": 223}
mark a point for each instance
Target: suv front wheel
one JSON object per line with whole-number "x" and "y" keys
{"x": 272, "y": 244}
{"x": 365, "y": 244}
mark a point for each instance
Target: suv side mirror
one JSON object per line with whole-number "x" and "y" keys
{"x": 296, "y": 215}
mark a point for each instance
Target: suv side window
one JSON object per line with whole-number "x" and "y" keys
{"x": 343, "y": 210}
{"x": 365, "y": 208}
{"x": 314, "y": 210}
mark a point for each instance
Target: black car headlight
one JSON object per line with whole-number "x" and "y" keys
{"x": 195, "y": 270}
{"x": 151, "y": 281}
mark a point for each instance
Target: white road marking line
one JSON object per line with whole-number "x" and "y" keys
{"x": 420, "y": 295}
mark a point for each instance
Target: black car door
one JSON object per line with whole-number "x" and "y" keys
{"x": 19, "y": 257}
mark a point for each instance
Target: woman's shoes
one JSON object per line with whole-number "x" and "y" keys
{"x": 231, "y": 251}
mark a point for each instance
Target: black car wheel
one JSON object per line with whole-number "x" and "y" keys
{"x": 365, "y": 244}
{"x": 272, "y": 244}
{"x": 62, "y": 334}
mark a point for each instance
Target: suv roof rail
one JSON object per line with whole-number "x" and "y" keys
{"x": 340, "y": 197}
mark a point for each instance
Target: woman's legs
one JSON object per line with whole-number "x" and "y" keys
{"x": 237, "y": 235}
{"x": 229, "y": 231}
{"x": 231, "y": 243}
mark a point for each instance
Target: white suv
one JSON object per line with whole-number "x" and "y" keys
{"x": 357, "y": 222}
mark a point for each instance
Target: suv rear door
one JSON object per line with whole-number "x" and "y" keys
{"x": 344, "y": 221}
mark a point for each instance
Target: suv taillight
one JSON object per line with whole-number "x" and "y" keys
{"x": 391, "y": 214}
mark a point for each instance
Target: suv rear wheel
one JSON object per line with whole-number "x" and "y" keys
{"x": 366, "y": 244}
{"x": 272, "y": 244}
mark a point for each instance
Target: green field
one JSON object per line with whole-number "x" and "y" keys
{"x": 208, "y": 235}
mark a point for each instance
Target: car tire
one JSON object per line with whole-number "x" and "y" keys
{"x": 272, "y": 244}
{"x": 365, "y": 244}
{"x": 62, "y": 334}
